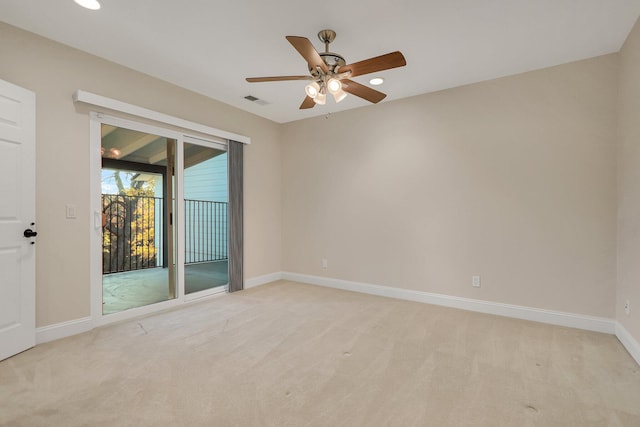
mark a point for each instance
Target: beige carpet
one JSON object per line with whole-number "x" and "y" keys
{"x": 288, "y": 354}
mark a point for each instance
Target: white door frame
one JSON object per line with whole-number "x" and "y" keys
{"x": 96, "y": 120}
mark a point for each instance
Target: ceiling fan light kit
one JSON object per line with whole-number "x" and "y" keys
{"x": 330, "y": 73}
{"x": 333, "y": 86}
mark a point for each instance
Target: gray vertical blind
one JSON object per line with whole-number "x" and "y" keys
{"x": 236, "y": 278}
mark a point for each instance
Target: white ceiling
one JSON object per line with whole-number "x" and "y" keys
{"x": 210, "y": 46}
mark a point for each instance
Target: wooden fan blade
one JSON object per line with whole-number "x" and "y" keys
{"x": 307, "y": 103}
{"x": 277, "y": 78}
{"x": 372, "y": 65}
{"x": 308, "y": 52}
{"x": 362, "y": 91}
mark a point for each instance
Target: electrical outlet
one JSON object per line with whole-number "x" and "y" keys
{"x": 475, "y": 281}
{"x": 627, "y": 309}
{"x": 324, "y": 263}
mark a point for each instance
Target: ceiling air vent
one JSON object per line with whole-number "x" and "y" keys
{"x": 256, "y": 100}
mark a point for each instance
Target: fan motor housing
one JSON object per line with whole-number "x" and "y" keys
{"x": 332, "y": 60}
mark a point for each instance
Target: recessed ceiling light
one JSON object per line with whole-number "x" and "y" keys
{"x": 89, "y": 4}
{"x": 376, "y": 81}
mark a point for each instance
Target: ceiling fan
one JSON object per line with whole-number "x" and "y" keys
{"x": 329, "y": 72}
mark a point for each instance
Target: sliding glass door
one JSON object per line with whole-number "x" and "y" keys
{"x": 138, "y": 250}
{"x": 206, "y": 197}
{"x": 161, "y": 218}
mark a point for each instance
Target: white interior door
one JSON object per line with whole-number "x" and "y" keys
{"x": 17, "y": 215}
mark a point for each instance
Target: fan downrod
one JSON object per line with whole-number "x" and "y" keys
{"x": 326, "y": 37}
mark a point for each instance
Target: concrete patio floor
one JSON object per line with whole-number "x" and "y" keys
{"x": 122, "y": 291}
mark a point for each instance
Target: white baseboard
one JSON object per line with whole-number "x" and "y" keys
{"x": 579, "y": 321}
{"x": 630, "y": 343}
{"x": 63, "y": 330}
{"x": 262, "y": 280}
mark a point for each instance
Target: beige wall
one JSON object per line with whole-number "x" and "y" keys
{"x": 629, "y": 185}
{"x": 511, "y": 179}
{"x": 54, "y": 72}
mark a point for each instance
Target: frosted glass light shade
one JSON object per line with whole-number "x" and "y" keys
{"x": 312, "y": 89}
{"x": 339, "y": 96}
{"x": 321, "y": 98}
{"x": 334, "y": 86}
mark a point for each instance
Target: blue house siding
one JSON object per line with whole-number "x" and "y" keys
{"x": 206, "y": 223}
{"x": 207, "y": 180}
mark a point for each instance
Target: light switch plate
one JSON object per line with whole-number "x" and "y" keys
{"x": 71, "y": 211}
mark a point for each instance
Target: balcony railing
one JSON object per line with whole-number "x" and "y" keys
{"x": 206, "y": 235}
{"x": 134, "y": 235}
